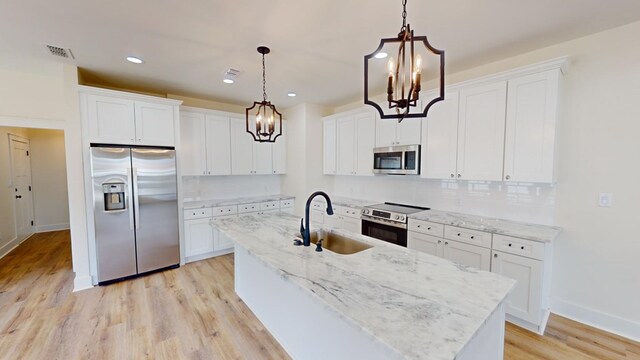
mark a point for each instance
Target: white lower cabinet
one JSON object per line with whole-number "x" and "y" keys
{"x": 525, "y": 299}
{"x": 220, "y": 241}
{"x": 352, "y": 224}
{"x": 198, "y": 237}
{"x": 345, "y": 218}
{"x": 426, "y": 243}
{"x": 469, "y": 255}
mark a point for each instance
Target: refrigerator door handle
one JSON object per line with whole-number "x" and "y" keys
{"x": 130, "y": 200}
{"x": 136, "y": 204}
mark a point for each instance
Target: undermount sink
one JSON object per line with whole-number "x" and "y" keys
{"x": 339, "y": 244}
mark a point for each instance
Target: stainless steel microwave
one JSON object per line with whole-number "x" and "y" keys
{"x": 397, "y": 160}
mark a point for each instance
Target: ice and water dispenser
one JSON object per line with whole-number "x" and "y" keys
{"x": 113, "y": 196}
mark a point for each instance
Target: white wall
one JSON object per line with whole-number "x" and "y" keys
{"x": 49, "y": 180}
{"x": 227, "y": 187}
{"x": 8, "y": 237}
{"x": 596, "y": 276}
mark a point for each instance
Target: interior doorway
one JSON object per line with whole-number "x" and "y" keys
{"x": 21, "y": 182}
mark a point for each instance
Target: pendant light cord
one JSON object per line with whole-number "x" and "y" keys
{"x": 404, "y": 16}
{"x": 264, "y": 80}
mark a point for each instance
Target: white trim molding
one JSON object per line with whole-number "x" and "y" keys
{"x": 51, "y": 227}
{"x": 32, "y": 123}
{"x": 82, "y": 283}
{"x": 11, "y": 245}
{"x": 607, "y": 322}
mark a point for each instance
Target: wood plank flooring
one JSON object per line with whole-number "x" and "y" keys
{"x": 187, "y": 313}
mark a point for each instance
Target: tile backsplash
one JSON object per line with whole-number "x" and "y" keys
{"x": 527, "y": 202}
{"x": 225, "y": 187}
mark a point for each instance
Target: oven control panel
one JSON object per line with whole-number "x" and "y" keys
{"x": 386, "y": 215}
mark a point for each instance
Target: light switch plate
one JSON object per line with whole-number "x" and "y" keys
{"x": 605, "y": 200}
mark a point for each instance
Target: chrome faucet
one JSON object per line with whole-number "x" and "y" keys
{"x": 304, "y": 228}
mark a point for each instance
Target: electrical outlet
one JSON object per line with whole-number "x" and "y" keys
{"x": 605, "y": 200}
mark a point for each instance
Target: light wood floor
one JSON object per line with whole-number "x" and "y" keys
{"x": 187, "y": 313}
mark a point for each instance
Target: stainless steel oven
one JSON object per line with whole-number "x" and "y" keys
{"x": 397, "y": 160}
{"x": 388, "y": 222}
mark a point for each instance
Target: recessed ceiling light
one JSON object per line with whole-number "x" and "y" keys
{"x": 228, "y": 81}
{"x": 134, "y": 60}
{"x": 291, "y": 94}
{"x": 381, "y": 55}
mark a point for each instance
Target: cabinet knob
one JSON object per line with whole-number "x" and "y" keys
{"x": 446, "y": 243}
{"x": 439, "y": 241}
{"x": 429, "y": 228}
{"x": 495, "y": 255}
{"x": 507, "y": 177}
{"x": 459, "y": 176}
{"x": 509, "y": 245}
{"x": 472, "y": 237}
{"x": 459, "y": 234}
{"x": 521, "y": 247}
{"x": 452, "y": 176}
{"x": 418, "y": 226}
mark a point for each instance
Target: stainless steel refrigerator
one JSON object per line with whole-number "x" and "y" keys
{"x": 135, "y": 210}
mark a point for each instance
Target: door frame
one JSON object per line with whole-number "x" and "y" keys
{"x": 17, "y": 138}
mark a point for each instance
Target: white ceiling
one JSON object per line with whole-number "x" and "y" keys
{"x": 317, "y": 46}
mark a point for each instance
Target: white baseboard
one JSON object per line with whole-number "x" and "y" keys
{"x": 82, "y": 282}
{"x": 607, "y": 322}
{"x": 11, "y": 245}
{"x": 52, "y": 227}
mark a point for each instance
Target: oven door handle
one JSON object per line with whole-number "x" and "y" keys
{"x": 374, "y": 220}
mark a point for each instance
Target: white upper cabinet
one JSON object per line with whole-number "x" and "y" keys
{"x": 111, "y": 120}
{"x": 346, "y": 150}
{"x": 241, "y": 148}
{"x": 154, "y": 124}
{"x": 262, "y": 157}
{"x": 280, "y": 152}
{"x": 193, "y": 159}
{"x": 355, "y": 141}
{"x": 481, "y": 132}
{"x": 115, "y": 117}
{"x": 365, "y": 138}
{"x": 218, "y": 149}
{"x": 389, "y": 132}
{"x": 329, "y": 146}
{"x": 440, "y": 139}
{"x": 532, "y": 104}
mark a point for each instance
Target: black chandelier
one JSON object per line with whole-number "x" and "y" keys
{"x": 403, "y": 82}
{"x": 266, "y": 118}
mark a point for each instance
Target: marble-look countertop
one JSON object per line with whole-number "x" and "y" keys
{"x": 348, "y": 202}
{"x": 541, "y": 233}
{"x": 422, "y": 306}
{"x": 234, "y": 201}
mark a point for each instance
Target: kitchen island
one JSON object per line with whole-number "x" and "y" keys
{"x": 386, "y": 302}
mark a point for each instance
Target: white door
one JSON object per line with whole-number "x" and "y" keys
{"x": 346, "y": 130}
{"x": 532, "y": 103}
{"x": 218, "y": 132}
{"x": 21, "y": 178}
{"x": 385, "y": 131}
{"x": 329, "y": 148}
{"x": 280, "y": 152}
{"x": 241, "y": 148}
{"x": 111, "y": 120}
{"x": 524, "y": 300}
{"x": 481, "y": 132}
{"x": 263, "y": 157}
{"x": 365, "y": 140}
{"x": 154, "y": 124}
{"x": 465, "y": 254}
{"x": 440, "y": 139}
{"x": 426, "y": 243}
{"x": 198, "y": 236}
{"x": 408, "y": 131}
{"x": 193, "y": 142}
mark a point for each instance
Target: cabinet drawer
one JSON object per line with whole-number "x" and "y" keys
{"x": 225, "y": 210}
{"x": 247, "y": 208}
{"x": 286, "y": 204}
{"x": 517, "y": 246}
{"x": 197, "y": 213}
{"x": 473, "y": 237}
{"x": 347, "y": 211}
{"x": 318, "y": 205}
{"x": 426, "y": 227}
{"x": 270, "y": 205}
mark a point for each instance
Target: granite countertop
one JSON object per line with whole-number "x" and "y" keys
{"x": 541, "y": 233}
{"x": 233, "y": 201}
{"x": 422, "y": 306}
{"x": 348, "y": 202}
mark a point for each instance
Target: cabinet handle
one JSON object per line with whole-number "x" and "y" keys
{"x": 458, "y": 234}
{"x": 209, "y": 172}
{"x": 521, "y": 247}
{"x": 509, "y": 245}
{"x": 446, "y": 243}
{"x": 418, "y": 226}
{"x": 507, "y": 177}
{"x": 459, "y": 176}
{"x": 495, "y": 255}
{"x": 471, "y": 237}
{"x": 429, "y": 228}
{"x": 452, "y": 176}
{"x": 439, "y": 241}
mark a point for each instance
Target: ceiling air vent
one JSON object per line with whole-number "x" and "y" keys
{"x": 60, "y": 52}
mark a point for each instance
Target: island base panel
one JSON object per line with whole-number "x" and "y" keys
{"x": 303, "y": 326}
